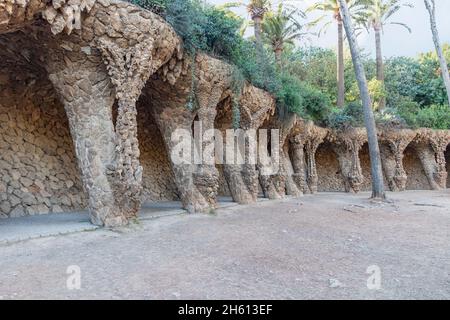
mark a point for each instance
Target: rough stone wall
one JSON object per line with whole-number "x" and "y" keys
{"x": 158, "y": 182}
{"x": 329, "y": 172}
{"x": 38, "y": 167}
{"x": 417, "y": 177}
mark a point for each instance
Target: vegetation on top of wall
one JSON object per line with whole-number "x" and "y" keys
{"x": 304, "y": 81}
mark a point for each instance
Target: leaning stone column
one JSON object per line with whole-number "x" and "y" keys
{"x": 439, "y": 142}
{"x": 392, "y": 147}
{"x": 347, "y": 145}
{"x": 88, "y": 95}
{"x": 167, "y": 95}
{"x": 298, "y": 161}
{"x": 292, "y": 188}
{"x": 256, "y": 106}
{"x": 213, "y": 79}
{"x": 430, "y": 146}
{"x": 315, "y": 138}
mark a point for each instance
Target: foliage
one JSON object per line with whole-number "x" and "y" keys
{"x": 315, "y": 66}
{"x": 377, "y": 92}
{"x": 306, "y": 83}
{"x": 282, "y": 27}
{"x": 157, "y": 6}
{"x": 434, "y": 116}
{"x": 350, "y": 115}
{"x": 377, "y": 13}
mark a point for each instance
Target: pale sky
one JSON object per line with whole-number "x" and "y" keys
{"x": 397, "y": 40}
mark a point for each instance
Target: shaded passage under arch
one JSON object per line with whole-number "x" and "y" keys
{"x": 417, "y": 179}
{"x": 328, "y": 169}
{"x": 39, "y": 172}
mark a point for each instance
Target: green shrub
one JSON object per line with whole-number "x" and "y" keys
{"x": 156, "y": 6}
{"x": 316, "y": 105}
{"x": 434, "y": 116}
{"x": 351, "y": 115}
{"x": 289, "y": 98}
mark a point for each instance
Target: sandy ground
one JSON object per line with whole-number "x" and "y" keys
{"x": 314, "y": 247}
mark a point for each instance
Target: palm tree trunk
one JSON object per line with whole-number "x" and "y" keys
{"x": 340, "y": 66}
{"x": 380, "y": 64}
{"x": 374, "y": 149}
{"x": 257, "y": 22}
{"x": 278, "y": 53}
{"x": 431, "y": 7}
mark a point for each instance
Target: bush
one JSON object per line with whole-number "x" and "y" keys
{"x": 156, "y": 6}
{"x": 435, "y": 116}
{"x": 289, "y": 98}
{"x": 316, "y": 105}
{"x": 351, "y": 115}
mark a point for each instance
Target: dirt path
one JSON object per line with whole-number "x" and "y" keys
{"x": 313, "y": 247}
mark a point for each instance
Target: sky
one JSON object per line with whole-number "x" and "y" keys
{"x": 397, "y": 41}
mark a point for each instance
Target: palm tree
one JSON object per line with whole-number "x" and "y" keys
{"x": 332, "y": 6}
{"x": 375, "y": 14}
{"x": 281, "y": 28}
{"x": 431, "y": 8}
{"x": 369, "y": 119}
{"x": 257, "y": 10}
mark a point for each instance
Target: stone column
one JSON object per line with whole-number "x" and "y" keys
{"x": 291, "y": 186}
{"x": 439, "y": 142}
{"x": 347, "y": 145}
{"x": 427, "y": 158}
{"x": 430, "y": 146}
{"x": 350, "y": 164}
{"x": 394, "y": 143}
{"x": 312, "y": 178}
{"x": 242, "y": 184}
{"x": 298, "y": 162}
{"x": 88, "y": 95}
{"x": 256, "y": 106}
{"x": 206, "y": 176}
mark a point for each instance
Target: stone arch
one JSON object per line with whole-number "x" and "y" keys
{"x": 39, "y": 171}
{"x": 417, "y": 178}
{"x": 328, "y": 169}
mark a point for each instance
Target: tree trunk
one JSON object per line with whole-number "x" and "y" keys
{"x": 374, "y": 149}
{"x": 278, "y": 53}
{"x": 380, "y": 64}
{"x": 257, "y": 22}
{"x": 431, "y": 7}
{"x": 340, "y": 66}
